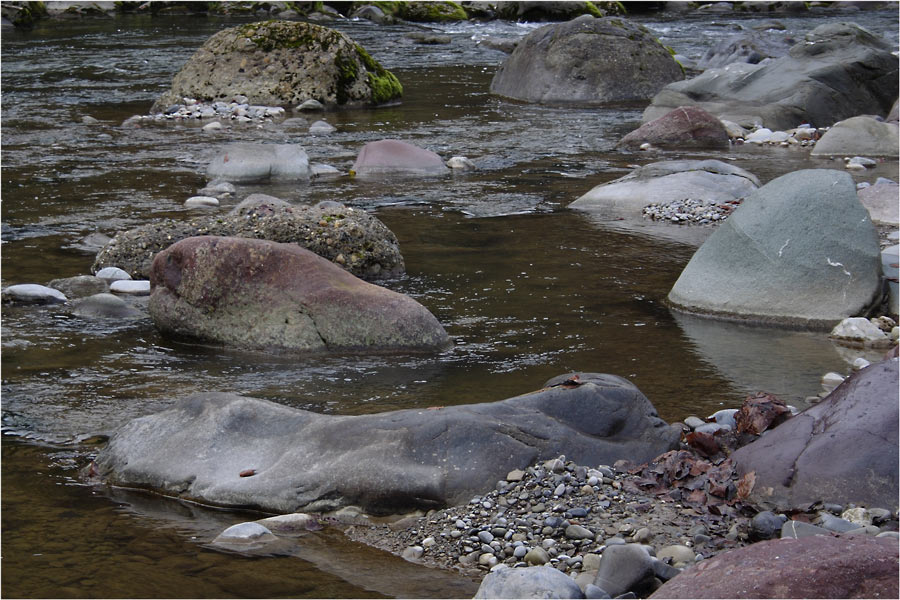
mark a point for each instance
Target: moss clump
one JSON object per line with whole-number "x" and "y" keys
{"x": 432, "y": 11}
{"x": 385, "y": 85}
{"x": 348, "y": 72}
{"x": 24, "y": 14}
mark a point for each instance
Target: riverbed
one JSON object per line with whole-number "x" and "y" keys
{"x": 526, "y": 288}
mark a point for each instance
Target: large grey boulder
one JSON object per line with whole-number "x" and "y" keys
{"x": 860, "y": 136}
{"x": 256, "y": 294}
{"x": 348, "y": 237}
{"x": 838, "y": 71}
{"x": 239, "y": 163}
{"x": 711, "y": 181}
{"x": 389, "y": 463}
{"x": 842, "y": 450}
{"x": 528, "y": 582}
{"x": 799, "y": 251}
{"x": 586, "y": 61}
{"x": 282, "y": 63}
{"x": 817, "y": 566}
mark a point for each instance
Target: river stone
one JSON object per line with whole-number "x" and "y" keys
{"x": 140, "y": 287}
{"x": 843, "y": 450}
{"x": 394, "y": 157}
{"x": 684, "y": 127}
{"x": 859, "y": 330}
{"x": 862, "y": 135}
{"x": 586, "y": 61}
{"x": 243, "y": 163}
{"x": 811, "y": 567}
{"x": 881, "y": 202}
{"x": 321, "y": 128}
{"x": 838, "y": 71}
{"x": 105, "y": 306}
{"x": 201, "y": 201}
{"x": 256, "y": 294}
{"x": 245, "y": 533}
{"x": 80, "y": 286}
{"x": 670, "y": 181}
{"x": 766, "y": 525}
{"x": 282, "y": 63}
{"x": 350, "y": 238}
{"x": 800, "y": 250}
{"x": 528, "y": 582}
{"x": 624, "y": 568}
{"x": 385, "y": 463}
{"x": 32, "y": 293}
{"x": 109, "y": 273}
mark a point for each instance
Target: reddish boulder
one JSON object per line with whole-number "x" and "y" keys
{"x": 812, "y": 567}
{"x": 684, "y": 127}
{"x": 393, "y": 157}
{"x": 257, "y": 294}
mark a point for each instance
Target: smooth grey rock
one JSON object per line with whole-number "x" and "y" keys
{"x": 112, "y": 274}
{"x": 537, "y": 556}
{"x": 528, "y": 582}
{"x": 577, "y": 532}
{"x": 568, "y": 63}
{"x": 322, "y": 128}
{"x": 766, "y": 525}
{"x": 132, "y": 287}
{"x": 384, "y": 463}
{"x": 801, "y": 250}
{"x": 260, "y": 162}
{"x": 662, "y": 182}
{"x": 80, "y": 286}
{"x": 32, "y": 293}
{"x": 395, "y": 157}
{"x": 832, "y": 523}
{"x": 282, "y": 63}
{"x": 859, "y": 135}
{"x": 694, "y": 422}
{"x": 843, "y": 450}
{"x": 592, "y": 591}
{"x": 198, "y": 201}
{"x": 839, "y": 70}
{"x": 105, "y": 306}
{"x": 310, "y": 105}
{"x": 244, "y": 533}
{"x": 624, "y": 568}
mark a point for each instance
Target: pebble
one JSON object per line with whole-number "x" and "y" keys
{"x": 309, "y": 105}
{"x": 462, "y": 163}
{"x": 112, "y": 274}
{"x": 537, "y": 556}
{"x": 132, "y": 287}
{"x": 214, "y": 126}
{"x": 195, "y": 201}
{"x": 237, "y": 110}
{"x": 766, "y": 525}
{"x": 831, "y": 380}
{"x": 32, "y": 293}
{"x": 245, "y": 532}
{"x": 694, "y": 422}
{"x": 413, "y": 553}
{"x": 677, "y": 553}
{"x": 725, "y": 417}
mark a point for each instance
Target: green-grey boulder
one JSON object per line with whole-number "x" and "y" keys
{"x": 586, "y": 61}
{"x": 800, "y": 251}
{"x": 862, "y": 136}
{"x": 261, "y": 295}
{"x": 282, "y": 63}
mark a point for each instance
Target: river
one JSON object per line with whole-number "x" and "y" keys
{"x": 526, "y": 289}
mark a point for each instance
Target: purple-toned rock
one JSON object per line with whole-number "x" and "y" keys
{"x": 257, "y": 294}
{"x": 810, "y": 567}
{"x": 881, "y": 202}
{"x": 842, "y": 450}
{"x": 684, "y": 127}
{"x": 393, "y": 157}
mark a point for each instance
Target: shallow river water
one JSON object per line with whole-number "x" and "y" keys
{"x": 526, "y": 289}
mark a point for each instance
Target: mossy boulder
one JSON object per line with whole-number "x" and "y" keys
{"x": 555, "y": 11}
{"x": 282, "y": 63}
{"x": 431, "y": 11}
{"x": 23, "y": 14}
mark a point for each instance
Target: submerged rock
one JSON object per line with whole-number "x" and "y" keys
{"x": 257, "y": 294}
{"x": 586, "y": 61}
{"x": 32, "y": 293}
{"x": 105, "y": 306}
{"x": 282, "y": 63}
{"x": 80, "y": 286}
{"x": 260, "y": 162}
{"x": 800, "y": 250}
{"x": 383, "y": 463}
{"x": 395, "y": 157}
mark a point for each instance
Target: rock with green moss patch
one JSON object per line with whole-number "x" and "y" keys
{"x": 586, "y": 61}
{"x": 282, "y": 63}
{"x": 555, "y": 11}
{"x": 431, "y": 11}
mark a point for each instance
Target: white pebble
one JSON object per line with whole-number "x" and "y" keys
{"x": 195, "y": 201}
{"x": 132, "y": 287}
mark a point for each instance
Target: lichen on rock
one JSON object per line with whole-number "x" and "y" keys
{"x": 282, "y": 63}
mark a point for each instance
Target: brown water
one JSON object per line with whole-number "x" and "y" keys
{"x": 526, "y": 289}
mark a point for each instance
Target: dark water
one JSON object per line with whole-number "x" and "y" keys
{"x": 527, "y": 289}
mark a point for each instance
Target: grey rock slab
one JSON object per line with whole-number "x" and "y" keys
{"x": 881, "y": 202}
{"x": 112, "y": 273}
{"x": 800, "y": 251}
{"x": 139, "y": 287}
{"x": 528, "y": 582}
{"x": 384, "y": 463}
{"x": 32, "y": 293}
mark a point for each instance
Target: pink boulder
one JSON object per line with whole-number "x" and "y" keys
{"x": 684, "y": 127}
{"x": 393, "y": 157}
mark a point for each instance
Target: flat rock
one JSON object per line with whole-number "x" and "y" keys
{"x": 568, "y": 63}
{"x": 32, "y": 293}
{"x": 395, "y": 157}
{"x": 800, "y": 250}
{"x": 811, "y": 567}
{"x": 385, "y": 463}
{"x": 80, "y": 286}
{"x": 861, "y": 135}
{"x": 140, "y": 287}
{"x": 843, "y": 450}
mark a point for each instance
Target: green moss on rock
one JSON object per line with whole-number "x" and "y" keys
{"x": 385, "y": 85}
{"x": 432, "y": 11}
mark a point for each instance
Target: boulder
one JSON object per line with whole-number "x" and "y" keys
{"x": 684, "y": 127}
{"x": 105, "y": 306}
{"x": 528, "y": 582}
{"x": 282, "y": 63}
{"x": 842, "y": 450}
{"x": 799, "y": 251}
{"x": 80, "y": 286}
{"x": 431, "y": 12}
{"x": 865, "y": 136}
{"x": 810, "y": 567}
{"x": 241, "y": 163}
{"x": 838, "y": 71}
{"x": 711, "y": 181}
{"x": 586, "y": 61}
{"x": 394, "y": 157}
{"x": 350, "y": 238}
{"x": 387, "y": 463}
{"x": 257, "y": 294}
{"x": 881, "y": 202}
{"x": 624, "y": 568}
